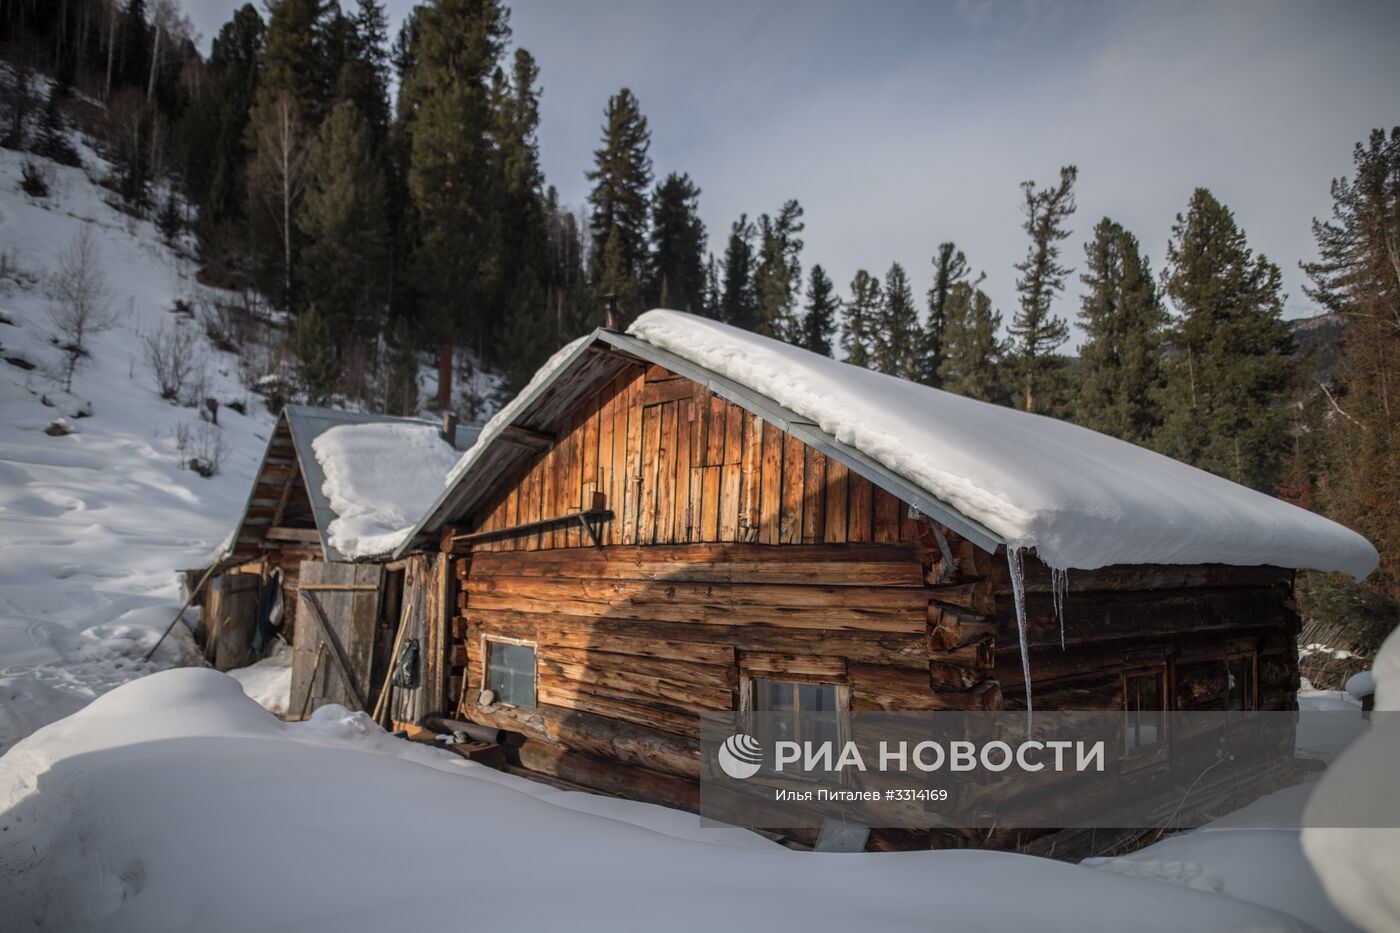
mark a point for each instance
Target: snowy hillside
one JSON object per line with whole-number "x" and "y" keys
{"x": 93, "y": 524}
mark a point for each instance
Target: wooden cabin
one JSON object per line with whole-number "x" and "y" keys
{"x": 638, "y": 537}
{"x": 286, "y": 527}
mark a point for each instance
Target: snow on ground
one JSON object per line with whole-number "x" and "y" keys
{"x": 380, "y": 479}
{"x": 93, "y": 524}
{"x": 1263, "y": 866}
{"x": 1360, "y": 867}
{"x": 1080, "y": 498}
{"x": 176, "y": 803}
{"x": 269, "y": 682}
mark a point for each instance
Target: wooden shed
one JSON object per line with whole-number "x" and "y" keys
{"x": 287, "y": 528}
{"x": 640, "y": 536}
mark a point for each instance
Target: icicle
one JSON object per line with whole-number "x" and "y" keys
{"x": 1059, "y": 589}
{"x": 1018, "y": 590}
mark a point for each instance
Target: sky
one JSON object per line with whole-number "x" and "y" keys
{"x": 899, "y": 125}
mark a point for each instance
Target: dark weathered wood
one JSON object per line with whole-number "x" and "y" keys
{"x": 521, "y": 436}
{"x": 517, "y": 531}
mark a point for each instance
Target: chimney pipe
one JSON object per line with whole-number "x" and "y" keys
{"x": 610, "y": 311}
{"x": 449, "y": 427}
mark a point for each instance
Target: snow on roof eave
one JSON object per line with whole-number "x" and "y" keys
{"x": 756, "y": 403}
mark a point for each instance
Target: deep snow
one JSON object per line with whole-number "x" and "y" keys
{"x": 176, "y": 803}
{"x": 1080, "y": 498}
{"x": 95, "y": 523}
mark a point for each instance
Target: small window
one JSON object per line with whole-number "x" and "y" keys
{"x": 811, "y": 709}
{"x": 510, "y": 673}
{"x": 1143, "y": 698}
{"x": 1239, "y": 673}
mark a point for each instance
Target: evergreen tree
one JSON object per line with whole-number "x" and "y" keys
{"x": 1035, "y": 331}
{"x": 676, "y": 277}
{"x": 134, "y": 47}
{"x": 401, "y": 372}
{"x": 317, "y": 366}
{"x": 896, "y": 335}
{"x": 1229, "y": 374}
{"x": 972, "y": 352}
{"x": 569, "y": 301}
{"x": 1123, "y": 322}
{"x": 860, "y": 318}
{"x": 736, "y": 304}
{"x": 446, "y": 104}
{"x": 949, "y": 268}
{"x": 1357, "y": 276}
{"x": 712, "y": 292}
{"x": 778, "y": 275}
{"x": 344, "y": 216}
{"x": 819, "y": 321}
{"x": 621, "y": 177}
{"x": 523, "y": 258}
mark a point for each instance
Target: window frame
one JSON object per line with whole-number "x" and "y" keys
{"x": 1157, "y": 750}
{"x": 749, "y": 694}
{"x": 496, "y": 701}
{"x": 1253, "y": 657}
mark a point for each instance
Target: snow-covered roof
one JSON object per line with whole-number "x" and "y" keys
{"x": 368, "y": 476}
{"x": 1000, "y": 476}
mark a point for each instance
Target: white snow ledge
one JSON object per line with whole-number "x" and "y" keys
{"x": 1082, "y": 499}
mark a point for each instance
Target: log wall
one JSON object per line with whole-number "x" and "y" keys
{"x": 735, "y": 551}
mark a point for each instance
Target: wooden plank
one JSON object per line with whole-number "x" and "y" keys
{"x": 485, "y": 539}
{"x": 836, "y": 503}
{"x": 651, "y": 474}
{"x": 860, "y": 509}
{"x": 770, "y": 485}
{"x": 887, "y": 518}
{"x": 699, "y": 405}
{"x": 681, "y": 517}
{"x": 618, "y": 462}
{"x": 860, "y": 599}
{"x": 715, "y": 436}
{"x": 303, "y": 535}
{"x": 573, "y": 479}
{"x": 814, "y": 496}
{"x": 670, "y": 390}
{"x": 588, "y": 460}
{"x": 666, "y": 475}
{"x": 633, "y": 466}
{"x": 794, "y": 472}
{"x": 730, "y": 475}
{"x": 607, "y": 416}
{"x": 751, "y": 479}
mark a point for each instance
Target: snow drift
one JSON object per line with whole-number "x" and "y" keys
{"x": 1080, "y": 498}
{"x": 176, "y": 803}
{"x": 1359, "y": 867}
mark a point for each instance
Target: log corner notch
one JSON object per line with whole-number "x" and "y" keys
{"x": 453, "y": 541}
{"x": 960, "y": 635}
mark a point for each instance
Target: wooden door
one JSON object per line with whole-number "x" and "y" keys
{"x": 425, "y": 621}
{"x": 340, "y": 600}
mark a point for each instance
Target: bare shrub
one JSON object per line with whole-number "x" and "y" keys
{"x": 200, "y": 446}
{"x": 82, "y": 302}
{"x": 170, "y": 356}
{"x": 32, "y": 180}
{"x": 224, "y": 324}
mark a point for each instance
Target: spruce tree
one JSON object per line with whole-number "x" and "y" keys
{"x": 1036, "y": 332}
{"x": 523, "y": 337}
{"x": 344, "y": 218}
{"x": 860, "y": 317}
{"x": 737, "y": 305}
{"x": 318, "y": 366}
{"x": 621, "y": 177}
{"x": 896, "y": 334}
{"x": 1229, "y": 374}
{"x": 1123, "y": 322}
{"x": 778, "y": 274}
{"x": 972, "y": 352}
{"x": 949, "y": 268}
{"x": 446, "y": 108}
{"x": 676, "y": 273}
{"x": 819, "y": 321}
{"x": 712, "y": 290}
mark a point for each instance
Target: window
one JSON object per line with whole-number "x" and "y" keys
{"x": 510, "y": 673}
{"x": 810, "y": 710}
{"x": 1239, "y": 675}
{"x": 1143, "y": 696}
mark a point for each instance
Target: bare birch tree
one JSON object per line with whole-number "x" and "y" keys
{"x": 280, "y": 171}
{"x": 82, "y": 301}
